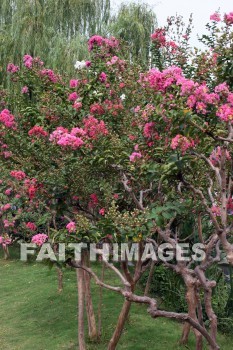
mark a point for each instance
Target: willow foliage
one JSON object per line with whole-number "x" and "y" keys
{"x": 134, "y": 23}
{"x": 57, "y": 30}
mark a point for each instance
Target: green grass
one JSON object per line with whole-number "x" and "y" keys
{"x": 34, "y": 316}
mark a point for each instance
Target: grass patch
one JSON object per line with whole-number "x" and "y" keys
{"x": 35, "y": 317}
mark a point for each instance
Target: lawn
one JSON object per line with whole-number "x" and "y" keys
{"x": 35, "y": 317}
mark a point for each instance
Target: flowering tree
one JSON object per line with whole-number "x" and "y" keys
{"x": 123, "y": 155}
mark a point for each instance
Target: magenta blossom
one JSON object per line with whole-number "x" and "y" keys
{"x": 228, "y": 18}
{"x": 73, "y": 83}
{"x": 39, "y": 239}
{"x": 71, "y": 226}
{"x": 11, "y": 68}
{"x": 215, "y": 17}
{"x": 134, "y": 156}
{"x": 24, "y": 90}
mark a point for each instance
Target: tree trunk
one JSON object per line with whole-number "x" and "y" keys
{"x": 192, "y": 302}
{"x": 148, "y": 283}
{"x": 100, "y": 304}
{"x": 210, "y": 313}
{"x": 60, "y": 279}
{"x": 6, "y": 252}
{"x": 92, "y": 330}
{"x": 81, "y": 304}
{"x": 185, "y": 334}
{"x": 120, "y": 325}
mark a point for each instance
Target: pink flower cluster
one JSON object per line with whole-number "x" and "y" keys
{"x": 216, "y": 210}
{"x": 160, "y": 81}
{"x": 31, "y": 187}
{"x": 31, "y": 226}
{"x": 39, "y": 239}
{"x": 28, "y": 61}
{"x": 5, "y": 241}
{"x": 97, "y": 109}
{"x": 73, "y": 96}
{"x": 182, "y": 142}
{"x": 8, "y": 223}
{"x": 216, "y": 155}
{"x": 11, "y": 68}
{"x": 215, "y": 17}
{"x": 49, "y": 73}
{"x": 37, "y": 131}
{"x": 71, "y": 227}
{"x": 134, "y": 156}
{"x": 102, "y": 211}
{"x": 149, "y": 129}
{"x": 8, "y": 191}
{"x": 7, "y": 119}
{"x": 103, "y": 77}
{"x": 159, "y": 37}
{"x": 19, "y": 175}
{"x": 228, "y": 18}
{"x": 99, "y": 41}
{"x": 24, "y": 90}
{"x": 73, "y": 83}
{"x": 6, "y": 207}
{"x": 93, "y": 200}
{"x": 65, "y": 139}
{"x": 94, "y": 128}
{"x": 225, "y": 113}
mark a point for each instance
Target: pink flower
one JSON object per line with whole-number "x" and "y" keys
{"x": 6, "y": 207}
{"x": 102, "y": 211}
{"x": 103, "y": 77}
{"x": 201, "y": 108}
{"x": 215, "y": 156}
{"x": 77, "y": 105}
{"x": 230, "y": 99}
{"x": 24, "y": 90}
{"x": 93, "y": 200}
{"x": 225, "y": 113}
{"x": 73, "y": 96}
{"x": 8, "y": 192}
{"x": 8, "y": 224}
{"x": 95, "y": 40}
{"x": 116, "y": 196}
{"x": 7, "y": 119}
{"x": 99, "y": 41}
{"x": 19, "y": 175}
{"x": 222, "y": 88}
{"x": 28, "y": 60}
{"x": 31, "y": 226}
{"x": 228, "y": 18}
{"x": 5, "y": 240}
{"x": 39, "y": 239}
{"x": 88, "y": 63}
{"x": 148, "y": 129}
{"x": 94, "y": 128}
{"x": 73, "y": 83}
{"x": 182, "y": 143}
{"x": 215, "y": 17}
{"x": 68, "y": 140}
{"x": 37, "y": 131}
{"x": 216, "y": 210}
{"x": 97, "y": 109}
{"x": 159, "y": 37}
{"x": 71, "y": 227}
{"x": 11, "y": 68}
{"x": 134, "y": 156}
{"x": 49, "y": 73}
